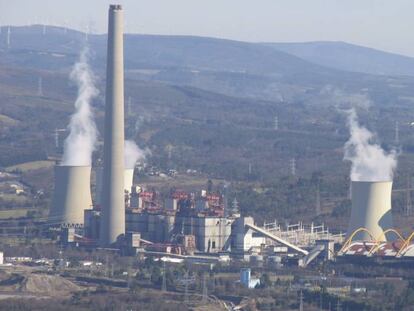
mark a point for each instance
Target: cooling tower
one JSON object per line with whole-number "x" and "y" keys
{"x": 72, "y": 195}
{"x": 113, "y": 205}
{"x": 98, "y": 185}
{"x": 128, "y": 182}
{"x": 128, "y": 179}
{"x": 371, "y": 209}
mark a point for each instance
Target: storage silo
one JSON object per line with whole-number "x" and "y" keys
{"x": 72, "y": 195}
{"x": 371, "y": 209}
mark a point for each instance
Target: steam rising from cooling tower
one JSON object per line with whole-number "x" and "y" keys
{"x": 72, "y": 195}
{"x": 371, "y": 182}
{"x": 80, "y": 143}
{"x": 369, "y": 161}
{"x": 133, "y": 154}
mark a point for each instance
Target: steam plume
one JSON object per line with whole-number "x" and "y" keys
{"x": 369, "y": 161}
{"x": 80, "y": 143}
{"x": 133, "y": 154}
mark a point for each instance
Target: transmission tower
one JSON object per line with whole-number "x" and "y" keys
{"x": 56, "y": 136}
{"x": 164, "y": 278}
{"x": 338, "y": 305}
{"x": 186, "y": 287}
{"x": 397, "y": 133}
{"x": 107, "y": 265}
{"x": 408, "y": 196}
{"x": 129, "y": 107}
{"x": 318, "y": 199}
{"x": 40, "y": 87}
{"x": 129, "y": 271}
{"x": 169, "y": 151}
{"x": 8, "y": 37}
{"x": 65, "y": 27}
{"x": 225, "y": 199}
{"x": 204, "y": 293}
{"x": 235, "y": 206}
{"x": 293, "y": 167}
{"x": 320, "y": 300}
{"x": 87, "y": 32}
{"x": 276, "y": 123}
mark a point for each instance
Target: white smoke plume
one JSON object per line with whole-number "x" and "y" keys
{"x": 133, "y": 154}
{"x": 369, "y": 161}
{"x": 81, "y": 141}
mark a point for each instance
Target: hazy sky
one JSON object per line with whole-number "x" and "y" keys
{"x": 382, "y": 24}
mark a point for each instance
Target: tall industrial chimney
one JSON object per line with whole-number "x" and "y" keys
{"x": 113, "y": 206}
{"x": 371, "y": 209}
{"x": 72, "y": 195}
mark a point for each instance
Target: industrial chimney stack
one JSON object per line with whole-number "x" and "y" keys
{"x": 113, "y": 206}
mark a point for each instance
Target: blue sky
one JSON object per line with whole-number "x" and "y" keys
{"x": 382, "y": 24}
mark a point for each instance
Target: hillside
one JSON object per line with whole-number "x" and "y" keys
{"x": 208, "y": 105}
{"x": 222, "y": 66}
{"x": 349, "y": 57}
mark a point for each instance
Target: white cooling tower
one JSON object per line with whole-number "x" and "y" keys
{"x": 371, "y": 209}
{"x": 72, "y": 195}
{"x": 128, "y": 179}
{"x": 98, "y": 185}
{"x": 128, "y": 182}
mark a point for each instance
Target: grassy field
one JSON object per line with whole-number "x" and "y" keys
{"x": 28, "y": 166}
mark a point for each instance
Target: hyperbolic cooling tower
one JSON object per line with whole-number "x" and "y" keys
{"x": 371, "y": 209}
{"x": 72, "y": 195}
{"x": 128, "y": 182}
{"x": 128, "y": 179}
{"x": 113, "y": 205}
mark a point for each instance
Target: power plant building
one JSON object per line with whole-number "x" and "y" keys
{"x": 213, "y": 234}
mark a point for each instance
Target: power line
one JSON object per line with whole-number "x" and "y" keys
{"x": 318, "y": 199}
{"x": 408, "y": 196}
{"x": 186, "y": 287}
{"x": 397, "y": 133}
{"x": 293, "y": 167}
{"x": 40, "y": 87}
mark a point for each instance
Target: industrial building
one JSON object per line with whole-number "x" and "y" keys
{"x": 126, "y": 216}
